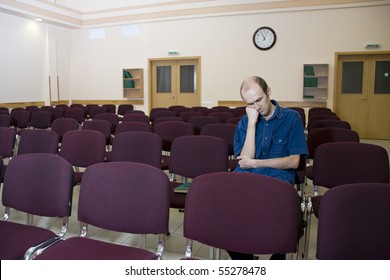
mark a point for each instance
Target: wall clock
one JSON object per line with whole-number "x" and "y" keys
{"x": 264, "y": 38}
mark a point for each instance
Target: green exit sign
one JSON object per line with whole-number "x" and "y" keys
{"x": 372, "y": 46}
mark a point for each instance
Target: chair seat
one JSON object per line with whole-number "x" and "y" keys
{"x": 20, "y": 238}
{"x": 81, "y": 248}
{"x": 176, "y": 200}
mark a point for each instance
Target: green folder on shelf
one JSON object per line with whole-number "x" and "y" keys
{"x": 127, "y": 83}
{"x": 310, "y": 82}
{"x": 183, "y": 188}
{"x": 309, "y": 70}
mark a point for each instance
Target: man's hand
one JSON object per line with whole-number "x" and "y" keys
{"x": 253, "y": 115}
{"x": 246, "y": 162}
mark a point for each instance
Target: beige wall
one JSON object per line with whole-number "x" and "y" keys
{"x": 91, "y": 68}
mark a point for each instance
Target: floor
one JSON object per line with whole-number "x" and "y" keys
{"x": 175, "y": 242}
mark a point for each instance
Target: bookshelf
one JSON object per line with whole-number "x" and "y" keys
{"x": 133, "y": 83}
{"x": 315, "y": 81}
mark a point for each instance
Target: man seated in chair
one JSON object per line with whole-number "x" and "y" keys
{"x": 269, "y": 140}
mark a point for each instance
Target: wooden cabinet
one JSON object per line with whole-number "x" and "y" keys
{"x": 315, "y": 81}
{"x": 133, "y": 83}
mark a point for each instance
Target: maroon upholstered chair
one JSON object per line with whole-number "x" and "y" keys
{"x": 329, "y": 123}
{"x": 186, "y": 115}
{"x": 99, "y": 125}
{"x": 199, "y": 121}
{"x": 124, "y": 197}
{"x": 5, "y": 120}
{"x": 110, "y": 108}
{"x": 132, "y": 126}
{"x": 123, "y": 108}
{"x": 76, "y": 113}
{"x": 354, "y": 223}
{"x": 169, "y": 131}
{"x": 112, "y": 118}
{"x": 242, "y": 212}
{"x": 94, "y": 110}
{"x": 137, "y": 146}
{"x": 44, "y": 189}
{"x": 318, "y": 136}
{"x": 136, "y": 118}
{"x": 41, "y": 119}
{"x": 192, "y": 156}
{"x": 63, "y": 125}
{"x": 38, "y": 141}
{"x": 83, "y": 148}
{"x": 20, "y": 118}
{"x": 223, "y": 115}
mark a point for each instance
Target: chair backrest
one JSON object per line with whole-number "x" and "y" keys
{"x": 160, "y": 114}
{"x": 186, "y": 115}
{"x": 169, "y": 131}
{"x": 5, "y": 120}
{"x": 56, "y": 112}
{"x": 318, "y": 136}
{"x": 7, "y": 141}
{"x": 135, "y": 112}
{"x": 110, "y": 108}
{"x": 243, "y": 212}
{"x": 41, "y": 119}
{"x": 136, "y": 118}
{"x": 223, "y": 115}
{"x": 234, "y": 120}
{"x": 318, "y": 110}
{"x": 125, "y": 197}
{"x": 83, "y": 148}
{"x": 341, "y": 163}
{"x": 301, "y": 112}
{"x": 222, "y": 130}
{"x": 329, "y": 123}
{"x": 38, "y": 141}
{"x": 45, "y": 189}
{"x": 94, "y": 110}
{"x": 123, "y": 108}
{"x": 166, "y": 119}
{"x": 20, "y": 118}
{"x": 132, "y": 126}
{"x": 199, "y": 121}
{"x": 63, "y": 125}
{"x": 110, "y": 117}
{"x": 76, "y": 113}
{"x": 137, "y": 146}
{"x": 99, "y": 125}
{"x": 153, "y": 112}
{"x": 354, "y": 223}
{"x": 195, "y": 155}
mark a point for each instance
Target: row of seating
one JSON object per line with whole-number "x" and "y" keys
{"x": 337, "y": 158}
{"x": 133, "y": 198}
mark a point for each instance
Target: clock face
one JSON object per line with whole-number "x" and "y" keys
{"x": 264, "y": 38}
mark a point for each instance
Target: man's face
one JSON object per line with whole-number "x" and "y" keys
{"x": 256, "y": 98}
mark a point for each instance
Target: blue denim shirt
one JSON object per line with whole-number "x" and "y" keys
{"x": 282, "y": 135}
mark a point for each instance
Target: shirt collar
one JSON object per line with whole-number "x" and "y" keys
{"x": 278, "y": 113}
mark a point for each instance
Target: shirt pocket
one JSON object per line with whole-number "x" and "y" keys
{"x": 279, "y": 145}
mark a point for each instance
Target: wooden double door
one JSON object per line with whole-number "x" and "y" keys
{"x": 175, "y": 81}
{"x": 362, "y": 91}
